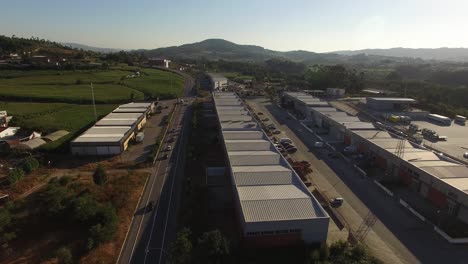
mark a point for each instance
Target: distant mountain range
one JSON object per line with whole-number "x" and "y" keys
{"x": 442, "y": 54}
{"x": 215, "y": 49}
{"x": 91, "y": 48}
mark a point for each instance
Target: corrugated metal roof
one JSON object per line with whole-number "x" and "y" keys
{"x": 243, "y": 135}
{"x": 239, "y": 125}
{"x": 136, "y": 105}
{"x": 263, "y": 175}
{"x": 33, "y": 143}
{"x": 370, "y": 134}
{"x": 103, "y": 134}
{"x": 244, "y": 145}
{"x": 458, "y": 183}
{"x": 56, "y": 135}
{"x": 392, "y": 99}
{"x": 278, "y": 210}
{"x": 267, "y": 192}
{"x": 358, "y": 125}
{"x": 447, "y": 172}
{"x": 130, "y": 110}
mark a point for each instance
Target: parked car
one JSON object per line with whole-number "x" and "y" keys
{"x": 164, "y": 157}
{"x": 337, "y": 201}
{"x": 291, "y": 149}
{"x": 465, "y": 155}
{"x": 276, "y": 132}
{"x": 259, "y": 113}
{"x": 168, "y": 148}
{"x": 265, "y": 119}
{"x": 318, "y": 144}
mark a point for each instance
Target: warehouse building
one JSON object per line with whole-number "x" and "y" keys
{"x": 389, "y": 103}
{"x": 135, "y": 120}
{"x": 273, "y": 205}
{"x": 217, "y": 81}
{"x": 329, "y": 119}
{"x": 102, "y": 141}
{"x": 444, "y": 184}
{"x": 112, "y": 134}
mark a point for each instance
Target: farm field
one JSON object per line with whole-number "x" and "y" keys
{"x": 110, "y": 86}
{"x": 157, "y": 83}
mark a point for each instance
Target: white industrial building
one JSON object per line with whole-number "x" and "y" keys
{"x": 217, "y": 81}
{"x": 322, "y": 116}
{"x": 112, "y": 134}
{"x": 273, "y": 205}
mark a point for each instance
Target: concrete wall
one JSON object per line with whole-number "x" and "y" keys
{"x": 311, "y": 230}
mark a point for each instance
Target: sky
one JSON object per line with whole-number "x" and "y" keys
{"x": 283, "y": 25}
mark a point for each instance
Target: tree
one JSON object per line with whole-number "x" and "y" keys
{"x": 106, "y": 227}
{"x": 54, "y": 199}
{"x": 15, "y": 175}
{"x": 30, "y": 164}
{"x": 64, "y": 255}
{"x": 181, "y": 249}
{"x": 85, "y": 208}
{"x": 100, "y": 176}
{"x": 213, "y": 247}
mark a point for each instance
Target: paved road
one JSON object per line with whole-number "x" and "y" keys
{"x": 404, "y": 236}
{"x": 153, "y": 229}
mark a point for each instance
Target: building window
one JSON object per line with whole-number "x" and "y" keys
{"x": 268, "y": 233}
{"x": 294, "y": 230}
{"x": 282, "y": 231}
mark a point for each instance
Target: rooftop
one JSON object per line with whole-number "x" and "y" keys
{"x": 136, "y": 105}
{"x": 103, "y": 134}
{"x": 392, "y": 99}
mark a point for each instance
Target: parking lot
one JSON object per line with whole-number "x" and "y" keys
{"x": 457, "y": 143}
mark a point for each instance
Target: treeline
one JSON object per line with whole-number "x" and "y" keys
{"x": 436, "y": 98}
{"x": 293, "y": 73}
{"x": 17, "y": 44}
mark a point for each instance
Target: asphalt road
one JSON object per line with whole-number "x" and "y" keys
{"x": 404, "y": 236}
{"x": 153, "y": 229}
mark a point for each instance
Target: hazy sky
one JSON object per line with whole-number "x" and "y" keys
{"x": 275, "y": 24}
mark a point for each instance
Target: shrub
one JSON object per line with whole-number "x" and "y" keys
{"x": 100, "y": 176}
{"x": 15, "y": 176}
{"x": 64, "y": 255}
{"x": 181, "y": 249}
{"x": 30, "y": 164}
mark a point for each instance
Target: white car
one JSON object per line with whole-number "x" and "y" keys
{"x": 318, "y": 144}
{"x": 168, "y": 148}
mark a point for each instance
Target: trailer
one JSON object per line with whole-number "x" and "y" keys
{"x": 440, "y": 118}
{"x": 460, "y": 119}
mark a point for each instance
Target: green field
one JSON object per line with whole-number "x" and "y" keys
{"x": 157, "y": 83}
{"x": 110, "y": 86}
{"x": 49, "y": 117}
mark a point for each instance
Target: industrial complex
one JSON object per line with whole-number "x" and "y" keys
{"x": 111, "y": 135}
{"x": 435, "y": 177}
{"x": 273, "y": 205}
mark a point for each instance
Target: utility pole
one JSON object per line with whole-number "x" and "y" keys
{"x": 94, "y": 103}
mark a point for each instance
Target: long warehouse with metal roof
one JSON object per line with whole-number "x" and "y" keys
{"x": 273, "y": 205}
{"x": 112, "y": 134}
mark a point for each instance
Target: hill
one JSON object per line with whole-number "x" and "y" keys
{"x": 217, "y": 49}
{"x": 441, "y": 54}
{"x": 91, "y": 48}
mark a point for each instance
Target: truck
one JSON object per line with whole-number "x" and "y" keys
{"x": 460, "y": 119}
{"x": 440, "y": 118}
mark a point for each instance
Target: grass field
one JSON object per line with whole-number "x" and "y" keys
{"x": 49, "y": 117}
{"x": 111, "y": 86}
{"x": 157, "y": 83}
